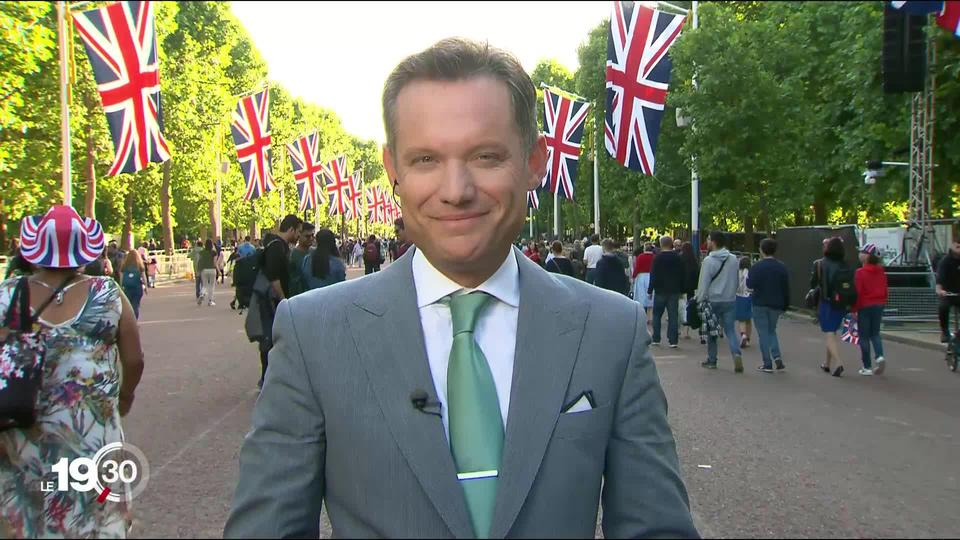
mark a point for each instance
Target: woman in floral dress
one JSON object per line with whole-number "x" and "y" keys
{"x": 93, "y": 365}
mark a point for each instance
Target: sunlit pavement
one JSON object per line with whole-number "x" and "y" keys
{"x": 797, "y": 454}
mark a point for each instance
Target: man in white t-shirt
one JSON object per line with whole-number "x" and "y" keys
{"x": 591, "y": 255}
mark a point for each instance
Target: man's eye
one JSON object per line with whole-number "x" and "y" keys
{"x": 423, "y": 160}
{"x": 489, "y": 157}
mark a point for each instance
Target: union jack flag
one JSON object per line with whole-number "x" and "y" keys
{"x": 251, "y": 135}
{"x": 850, "y": 332}
{"x": 949, "y": 17}
{"x": 305, "y": 159}
{"x": 638, "y": 75}
{"x": 563, "y": 121}
{"x": 355, "y": 196}
{"x": 121, "y": 43}
{"x": 370, "y": 194}
{"x": 338, "y": 185}
{"x": 533, "y": 200}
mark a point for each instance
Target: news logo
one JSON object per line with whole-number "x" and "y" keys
{"x": 119, "y": 471}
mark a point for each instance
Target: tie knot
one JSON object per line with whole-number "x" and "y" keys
{"x": 465, "y": 310}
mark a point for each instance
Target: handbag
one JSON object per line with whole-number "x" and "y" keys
{"x": 705, "y": 309}
{"x": 23, "y": 351}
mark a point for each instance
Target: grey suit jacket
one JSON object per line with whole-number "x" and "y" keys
{"x": 335, "y": 423}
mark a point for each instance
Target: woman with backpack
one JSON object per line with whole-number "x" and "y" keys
{"x": 837, "y": 296}
{"x": 133, "y": 280}
{"x": 871, "y": 283}
{"x": 372, "y": 257}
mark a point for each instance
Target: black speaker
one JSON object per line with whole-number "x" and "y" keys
{"x": 904, "y": 51}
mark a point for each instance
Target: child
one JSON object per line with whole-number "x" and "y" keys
{"x": 744, "y": 306}
{"x": 152, "y": 273}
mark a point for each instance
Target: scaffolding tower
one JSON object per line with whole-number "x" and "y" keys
{"x": 920, "y": 239}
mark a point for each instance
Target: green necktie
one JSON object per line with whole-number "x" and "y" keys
{"x": 476, "y": 428}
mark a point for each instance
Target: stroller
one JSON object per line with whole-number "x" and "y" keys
{"x": 244, "y": 275}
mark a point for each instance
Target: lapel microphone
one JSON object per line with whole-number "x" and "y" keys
{"x": 421, "y": 402}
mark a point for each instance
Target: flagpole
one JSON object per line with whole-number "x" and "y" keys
{"x": 556, "y": 212}
{"x": 694, "y": 176}
{"x": 531, "y": 223}
{"x": 64, "y": 106}
{"x": 596, "y": 179}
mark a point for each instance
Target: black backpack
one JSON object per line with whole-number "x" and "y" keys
{"x": 843, "y": 291}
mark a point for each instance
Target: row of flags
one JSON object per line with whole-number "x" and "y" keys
{"x": 120, "y": 40}
{"x": 637, "y": 78}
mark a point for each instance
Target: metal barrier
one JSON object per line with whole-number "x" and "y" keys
{"x": 911, "y": 304}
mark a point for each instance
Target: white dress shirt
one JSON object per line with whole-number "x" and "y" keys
{"x": 592, "y": 255}
{"x": 495, "y": 333}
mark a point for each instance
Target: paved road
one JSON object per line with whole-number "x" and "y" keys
{"x": 798, "y": 454}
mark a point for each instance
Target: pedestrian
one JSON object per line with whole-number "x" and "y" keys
{"x": 207, "y": 268}
{"x": 815, "y": 285}
{"x": 133, "y": 280}
{"x": 116, "y": 256}
{"x": 691, "y": 273}
{"x": 744, "y": 304}
{"x": 219, "y": 260}
{"x": 323, "y": 266}
{"x": 591, "y": 256}
{"x": 836, "y": 284}
{"x": 246, "y": 248}
{"x": 769, "y": 282}
{"x": 666, "y": 286}
{"x": 559, "y": 264}
{"x": 404, "y": 244}
{"x": 194, "y": 256}
{"x": 297, "y": 255}
{"x": 642, "y": 267}
{"x": 90, "y": 371}
{"x": 534, "y": 253}
{"x": 357, "y": 254}
{"x": 152, "y": 269}
{"x": 871, "y": 283}
{"x": 271, "y": 287}
{"x": 462, "y": 392}
{"x": 948, "y": 287}
{"x": 716, "y": 296}
{"x": 611, "y": 274}
{"x": 579, "y": 268}
{"x": 372, "y": 257}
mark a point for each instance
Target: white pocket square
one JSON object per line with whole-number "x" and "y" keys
{"x": 582, "y": 404}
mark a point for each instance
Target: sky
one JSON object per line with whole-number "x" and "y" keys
{"x": 338, "y": 54}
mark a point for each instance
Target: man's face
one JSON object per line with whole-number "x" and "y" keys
{"x": 462, "y": 175}
{"x": 955, "y": 248}
{"x": 306, "y": 238}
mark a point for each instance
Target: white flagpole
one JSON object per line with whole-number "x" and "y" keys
{"x": 556, "y": 213}
{"x": 64, "y": 106}
{"x": 694, "y": 176}
{"x": 531, "y": 223}
{"x": 596, "y": 180}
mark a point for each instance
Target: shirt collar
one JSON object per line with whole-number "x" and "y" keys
{"x": 432, "y": 285}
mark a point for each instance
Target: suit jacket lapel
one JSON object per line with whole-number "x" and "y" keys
{"x": 550, "y": 327}
{"x": 385, "y": 324}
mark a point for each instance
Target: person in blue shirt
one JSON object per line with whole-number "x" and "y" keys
{"x": 246, "y": 248}
{"x": 770, "y": 283}
{"x": 322, "y": 265}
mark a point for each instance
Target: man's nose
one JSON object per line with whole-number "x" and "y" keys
{"x": 458, "y": 184}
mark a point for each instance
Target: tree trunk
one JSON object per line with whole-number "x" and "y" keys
{"x": 798, "y": 218}
{"x": 168, "y": 246}
{"x": 748, "y": 234}
{"x": 850, "y": 216}
{"x": 254, "y": 233}
{"x": 820, "y": 210}
{"x": 126, "y": 242}
{"x": 764, "y": 222}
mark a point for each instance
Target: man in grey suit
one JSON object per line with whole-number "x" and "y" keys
{"x": 463, "y": 391}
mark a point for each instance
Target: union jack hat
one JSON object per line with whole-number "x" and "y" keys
{"x": 60, "y": 239}
{"x": 871, "y": 249}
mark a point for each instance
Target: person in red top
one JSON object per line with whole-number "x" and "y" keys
{"x": 871, "y": 282}
{"x": 642, "y": 266}
{"x": 402, "y": 243}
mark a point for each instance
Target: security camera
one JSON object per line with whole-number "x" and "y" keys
{"x": 874, "y": 169}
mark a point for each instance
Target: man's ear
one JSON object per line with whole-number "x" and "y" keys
{"x": 537, "y": 163}
{"x": 389, "y": 164}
